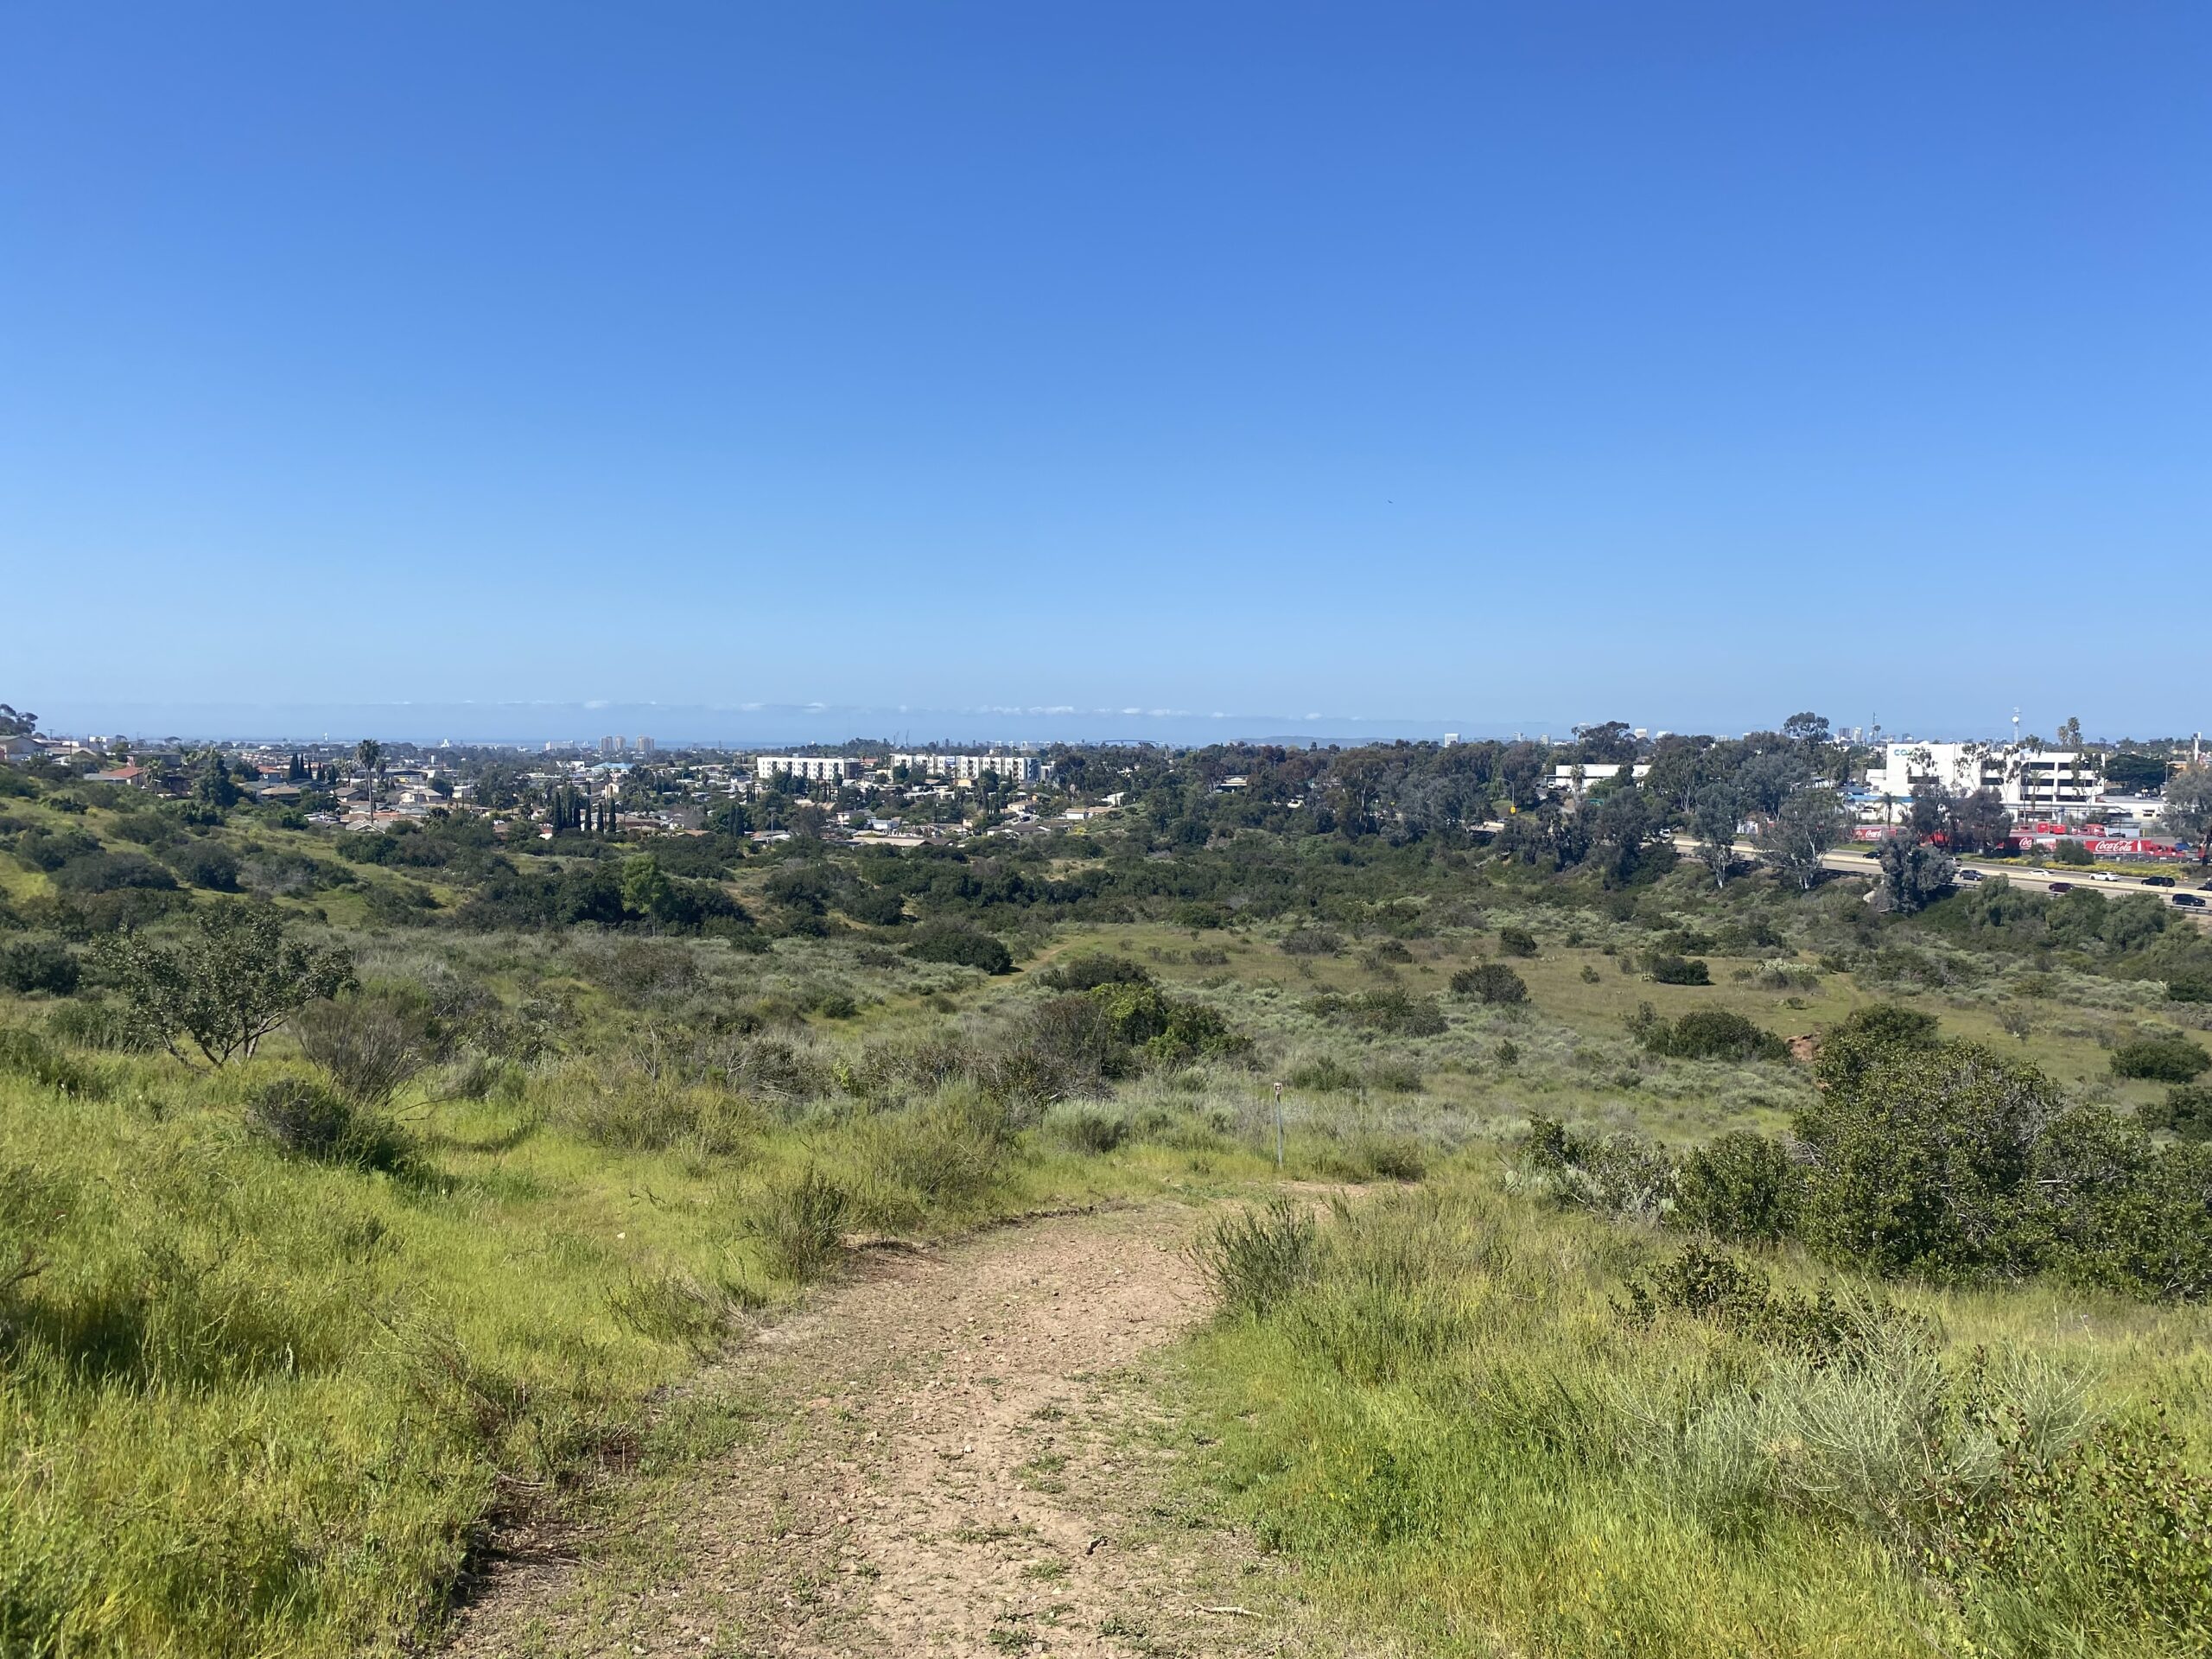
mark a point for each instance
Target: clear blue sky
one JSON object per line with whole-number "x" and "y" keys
{"x": 1690, "y": 363}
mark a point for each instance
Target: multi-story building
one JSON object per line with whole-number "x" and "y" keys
{"x": 967, "y": 768}
{"x": 2022, "y": 777}
{"x": 811, "y": 768}
{"x": 645, "y": 746}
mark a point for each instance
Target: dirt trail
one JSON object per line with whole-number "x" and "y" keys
{"x": 958, "y": 1457}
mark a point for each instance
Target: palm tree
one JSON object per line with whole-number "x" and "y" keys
{"x": 370, "y": 753}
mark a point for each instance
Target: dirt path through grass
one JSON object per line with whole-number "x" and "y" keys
{"x": 957, "y": 1452}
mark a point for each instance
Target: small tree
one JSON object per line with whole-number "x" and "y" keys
{"x": 1800, "y": 832}
{"x": 2188, "y": 814}
{"x": 1714, "y": 812}
{"x": 1914, "y": 874}
{"x": 234, "y": 979}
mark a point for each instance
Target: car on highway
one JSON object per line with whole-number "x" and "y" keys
{"x": 2060, "y": 886}
{"x": 2190, "y": 900}
{"x": 2157, "y": 881}
{"x": 1969, "y": 876}
{"x": 2102, "y": 875}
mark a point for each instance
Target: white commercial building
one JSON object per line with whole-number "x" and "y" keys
{"x": 2022, "y": 777}
{"x": 811, "y": 768}
{"x": 967, "y": 768}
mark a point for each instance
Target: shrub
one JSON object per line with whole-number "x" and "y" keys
{"x": 1741, "y": 1186}
{"x": 1491, "y": 982}
{"x": 2165, "y": 1057}
{"x": 798, "y": 1224}
{"x": 1394, "y": 1010}
{"x": 1712, "y": 1286}
{"x": 2188, "y": 986}
{"x": 1710, "y": 1034}
{"x": 1312, "y": 942}
{"x": 369, "y": 1048}
{"x": 1326, "y": 1075}
{"x": 1924, "y": 1165}
{"x": 27, "y": 1054}
{"x": 206, "y": 864}
{"x": 1620, "y": 1175}
{"x": 1680, "y": 970}
{"x": 1087, "y": 1127}
{"x": 2186, "y": 1111}
{"x": 1514, "y": 940}
{"x": 1089, "y": 971}
{"x": 111, "y": 873}
{"x": 673, "y": 1308}
{"x": 950, "y": 1155}
{"x": 1258, "y": 1259}
{"x": 964, "y": 947}
{"x": 1871, "y": 1036}
{"x": 38, "y": 964}
{"x": 103, "y": 1025}
{"x": 306, "y": 1120}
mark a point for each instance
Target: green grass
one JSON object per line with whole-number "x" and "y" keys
{"x": 248, "y": 1404}
{"x": 1455, "y": 1433}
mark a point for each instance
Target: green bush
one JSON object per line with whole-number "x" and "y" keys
{"x": 1089, "y": 971}
{"x": 798, "y": 1224}
{"x": 1709, "y": 1035}
{"x": 1258, "y": 1259}
{"x": 2186, "y": 1111}
{"x": 1819, "y": 1329}
{"x": 2165, "y": 1057}
{"x": 1868, "y": 1037}
{"x": 948, "y": 1157}
{"x": 2187, "y": 986}
{"x": 1491, "y": 982}
{"x": 33, "y": 965}
{"x": 1326, "y": 1075}
{"x": 1514, "y": 940}
{"x": 1679, "y": 971}
{"x": 306, "y": 1120}
{"x": 26, "y": 1053}
{"x": 1741, "y": 1186}
{"x": 1923, "y": 1165}
{"x": 1614, "y": 1175}
{"x": 964, "y": 947}
{"x": 1083, "y": 1127}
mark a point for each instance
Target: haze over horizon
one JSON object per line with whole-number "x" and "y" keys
{"x": 1402, "y": 369}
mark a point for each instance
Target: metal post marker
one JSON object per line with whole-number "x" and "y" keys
{"x": 1278, "y": 1129}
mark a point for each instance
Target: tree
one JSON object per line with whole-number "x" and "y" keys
{"x": 1980, "y": 823}
{"x": 1809, "y": 729}
{"x": 646, "y": 890}
{"x": 15, "y": 724}
{"x": 2188, "y": 815}
{"x": 1796, "y": 838}
{"x": 1612, "y": 742}
{"x": 1915, "y": 874}
{"x": 234, "y": 979}
{"x": 369, "y": 754}
{"x": 213, "y": 787}
{"x": 2069, "y": 734}
{"x": 2136, "y": 773}
{"x": 1714, "y": 812}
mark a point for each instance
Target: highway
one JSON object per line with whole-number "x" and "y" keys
{"x": 1859, "y": 860}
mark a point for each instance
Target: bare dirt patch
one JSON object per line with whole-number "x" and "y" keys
{"x": 956, "y": 1454}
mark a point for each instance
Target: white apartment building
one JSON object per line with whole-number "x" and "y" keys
{"x": 811, "y": 768}
{"x": 2021, "y": 777}
{"x": 967, "y": 768}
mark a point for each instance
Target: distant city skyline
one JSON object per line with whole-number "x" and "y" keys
{"x": 1425, "y": 367}
{"x": 668, "y": 726}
